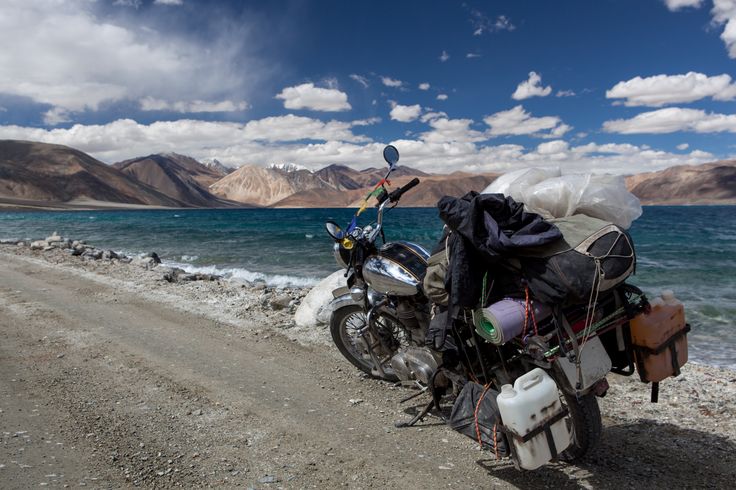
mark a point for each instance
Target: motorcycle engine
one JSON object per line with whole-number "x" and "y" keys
{"x": 414, "y": 364}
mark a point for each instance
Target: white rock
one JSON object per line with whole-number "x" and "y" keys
{"x": 314, "y": 309}
{"x": 54, "y": 238}
{"x": 39, "y": 245}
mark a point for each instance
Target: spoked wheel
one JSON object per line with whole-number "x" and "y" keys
{"x": 372, "y": 349}
{"x": 585, "y": 425}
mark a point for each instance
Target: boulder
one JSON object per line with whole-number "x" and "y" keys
{"x": 54, "y": 238}
{"x": 315, "y": 307}
{"x": 92, "y": 254}
{"x": 280, "y": 302}
{"x": 39, "y": 245}
{"x": 145, "y": 262}
{"x": 154, "y": 256}
{"x": 109, "y": 255}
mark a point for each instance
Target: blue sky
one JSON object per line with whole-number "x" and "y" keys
{"x": 619, "y": 86}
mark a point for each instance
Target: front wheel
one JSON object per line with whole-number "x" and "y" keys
{"x": 585, "y": 417}
{"x": 367, "y": 349}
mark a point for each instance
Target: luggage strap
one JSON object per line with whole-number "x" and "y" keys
{"x": 543, "y": 427}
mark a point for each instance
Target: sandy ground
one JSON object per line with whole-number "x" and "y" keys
{"x": 111, "y": 377}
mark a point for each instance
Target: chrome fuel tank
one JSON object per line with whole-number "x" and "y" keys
{"x": 398, "y": 269}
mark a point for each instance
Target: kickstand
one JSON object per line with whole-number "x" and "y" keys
{"x": 414, "y": 395}
{"x": 399, "y": 424}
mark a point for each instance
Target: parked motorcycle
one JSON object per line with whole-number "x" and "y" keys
{"x": 379, "y": 323}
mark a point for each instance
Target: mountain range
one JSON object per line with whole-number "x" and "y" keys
{"x": 42, "y": 175}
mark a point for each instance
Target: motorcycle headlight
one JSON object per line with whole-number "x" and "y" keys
{"x": 342, "y": 256}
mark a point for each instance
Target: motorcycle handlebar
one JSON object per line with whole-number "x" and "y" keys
{"x": 396, "y": 195}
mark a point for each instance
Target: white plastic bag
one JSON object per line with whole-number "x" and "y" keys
{"x": 601, "y": 196}
{"x": 515, "y": 183}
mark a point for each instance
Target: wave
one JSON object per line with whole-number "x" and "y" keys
{"x": 276, "y": 280}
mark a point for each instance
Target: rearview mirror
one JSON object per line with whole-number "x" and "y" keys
{"x": 391, "y": 155}
{"x": 334, "y": 230}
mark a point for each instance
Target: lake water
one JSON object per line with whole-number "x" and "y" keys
{"x": 688, "y": 249}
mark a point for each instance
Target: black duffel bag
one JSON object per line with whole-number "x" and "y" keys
{"x": 593, "y": 255}
{"x": 475, "y": 414}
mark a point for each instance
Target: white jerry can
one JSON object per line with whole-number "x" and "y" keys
{"x": 533, "y": 414}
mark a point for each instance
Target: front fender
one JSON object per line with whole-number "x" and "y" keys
{"x": 342, "y": 299}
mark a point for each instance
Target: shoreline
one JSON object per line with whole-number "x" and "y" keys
{"x": 109, "y": 342}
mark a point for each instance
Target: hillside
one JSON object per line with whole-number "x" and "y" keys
{"x": 687, "y": 184}
{"x": 178, "y": 176}
{"x": 41, "y": 172}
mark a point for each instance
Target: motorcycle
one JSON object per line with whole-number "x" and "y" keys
{"x": 380, "y": 319}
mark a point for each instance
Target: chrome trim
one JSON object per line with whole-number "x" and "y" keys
{"x": 338, "y": 258}
{"x": 389, "y": 277}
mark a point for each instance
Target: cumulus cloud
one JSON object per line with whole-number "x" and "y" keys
{"x": 660, "y": 90}
{"x": 451, "y": 144}
{"x": 64, "y": 55}
{"x": 531, "y": 87}
{"x": 56, "y": 115}
{"x": 405, "y": 113}
{"x": 444, "y": 56}
{"x": 682, "y": 146}
{"x": 424, "y": 86}
{"x": 472, "y": 55}
{"x": 446, "y": 130}
{"x": 675, "y": 5}
{"x": 565, "y": 93}
{"x": 441, "y": 96}
{"x": 671, "y": 120}
{"x": 517, "y": 121}
{"x": 307, "y": 96}
{"x": 360, "y": 79}
{"x": 724, "y": 13}
{"x": 194, "y": 106}
{"x": 169, "y": 2}
{"x": 391, "y": 82}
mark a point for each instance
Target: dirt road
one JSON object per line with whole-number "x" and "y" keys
{"x": 106, "y": 388}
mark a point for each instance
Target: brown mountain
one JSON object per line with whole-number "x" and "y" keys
{"x": 45, "y": 173}
{"x": 178, "y": 176}
{"x": 687, "y": 184}
{"x": 430, "y": 189}
{"x": 261, "y": 186}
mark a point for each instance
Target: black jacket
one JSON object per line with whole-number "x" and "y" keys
{"x": 486, "y": 228}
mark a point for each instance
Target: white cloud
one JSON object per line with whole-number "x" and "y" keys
{"x": 441, "y": 96}
{"x": 675, "y": 5}
{"x": 56, "y": 115}
{"x": 444, "y": 56}
{"x": 724, "y": 13}
{"x": 194, "y": 106}
{"x": 390, "y": 82}
{"x": 67, "y": 57}
{"x": 531, "y": 88}
{"x": 428, "y": 116}
{"x": 452, "y": 130}
{"x": 360, "y": 79}
{"x": 565, "y": 93}
{"x": 682, "y": 146}
{"x": 671, "y": 120}
{"x": 307, "y": 96}
{"x": 169, "y": 2}
{"x": 472, "y": 55}
{"x": 517, "y": 121}
{"x": 128, "y": 3}
{"x": 295, "y": 128}
{"x": 424, "y": 86}
{"x": 660, "y": 90}
{"x": 452, "y": 146}
{"x": 405, "y": 113}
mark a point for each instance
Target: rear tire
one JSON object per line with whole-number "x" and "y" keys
{"x": 343, "y": 325}
{"x": 586, "y": 426}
